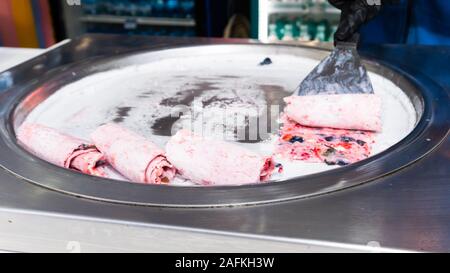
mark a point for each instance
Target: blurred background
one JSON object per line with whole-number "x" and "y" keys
{"x": 42, "y": 23}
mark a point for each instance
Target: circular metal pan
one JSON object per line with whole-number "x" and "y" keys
{"x": 428, "y": 98}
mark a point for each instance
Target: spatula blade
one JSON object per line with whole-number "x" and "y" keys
{"x": 340, "y": 73}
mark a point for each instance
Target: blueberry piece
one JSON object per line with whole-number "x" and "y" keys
{"x": 296, "y": 139}
{"x": 278, "y": 165}
{"x": 266, "y": 61}
{"x": 341, "y": 163}
{"x": 329, "y": 138}
{"x": 347, "y": 139}
{"x": 360, "y": 142}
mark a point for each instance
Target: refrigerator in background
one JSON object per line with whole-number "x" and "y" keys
{"x": 134, "y": 17}
{"x": 39, "y": 23}
{"x": 294, "y": 20}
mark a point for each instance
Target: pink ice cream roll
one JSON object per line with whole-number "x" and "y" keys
{"x": 213, "y": 162}
{"x": 134, "y": 156}
{"x": 61, "y": 149}
{"x": 349, "y": 111}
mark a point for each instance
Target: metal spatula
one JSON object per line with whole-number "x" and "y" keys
{"x": 339, "y": 73}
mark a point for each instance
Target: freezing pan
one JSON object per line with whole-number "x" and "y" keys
{"x": 35, "y": 83}
{"x": 139, "y": 82}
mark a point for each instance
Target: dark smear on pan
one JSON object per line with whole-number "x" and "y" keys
{"x": 186, "y": 97}
{"x": 145, "y": 95}
{"x": 229, "y": 77}
{"x": 121, "y": 114}
{"x": 162, "y": 126}
{"x": 215, "y": 99}
{"x": 273, "y": 95}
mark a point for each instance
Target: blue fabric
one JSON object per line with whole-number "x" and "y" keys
{"x": 418, "y": 22}
{"x": 431, "y": 60}
{"x": 390, "y": 25}
{"x": 430, "y": 24}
